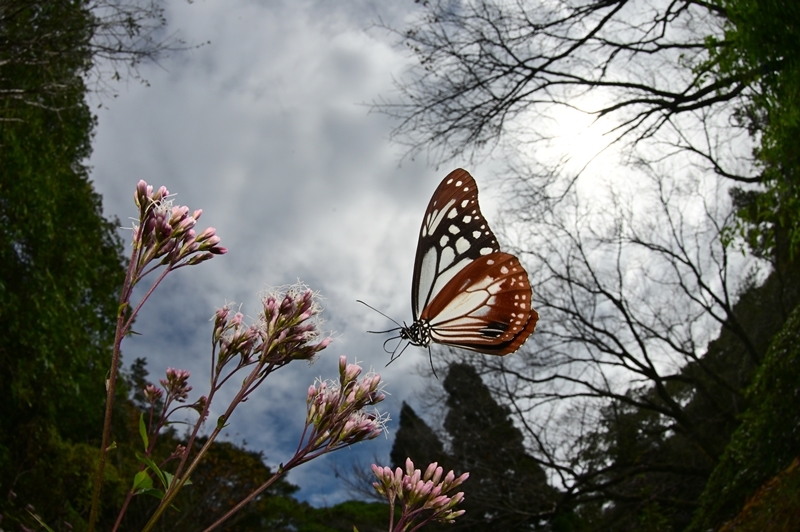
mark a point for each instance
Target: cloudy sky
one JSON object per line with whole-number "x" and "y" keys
{"x": 266, "y": 129}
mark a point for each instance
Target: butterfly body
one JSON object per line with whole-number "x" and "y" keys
{"x": 465, "y": 291}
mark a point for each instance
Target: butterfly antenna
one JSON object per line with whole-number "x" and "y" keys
{"x": 381, "y": 313}
{"x": 430, "y": 357}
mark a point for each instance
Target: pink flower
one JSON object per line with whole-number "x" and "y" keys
{"x": 152, "y": 394}
{"x": 291, "y": 329}
{"x": 166, "y": 232}
{"x": 423, "y": 497}
{"x": 336, "y": 410}
{"x": 176, "y": 384}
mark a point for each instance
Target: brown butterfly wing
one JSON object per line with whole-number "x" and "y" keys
{"x": 485, "y": 307}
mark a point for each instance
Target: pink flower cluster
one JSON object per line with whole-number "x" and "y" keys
{"x": 152, "y": 394}
{"x": 167, "y": 233}
{"x": 290, "y": 325}
{"x": 335, "y": 410}
{"x": 288, "y": 329}
{"x": 176, "y": 384}
{"x": 233, "y": 338}
{"x": 423, "y": 497}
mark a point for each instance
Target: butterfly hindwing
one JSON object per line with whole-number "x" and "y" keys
{"x": 485, "y": 307}
{"x": 453, "y": 235}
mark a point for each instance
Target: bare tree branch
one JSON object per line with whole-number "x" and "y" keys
{"x": 487, "y": 70}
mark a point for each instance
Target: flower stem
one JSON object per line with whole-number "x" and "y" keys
{"x": 181, "y": 477}
{"x": 110, "y": 390}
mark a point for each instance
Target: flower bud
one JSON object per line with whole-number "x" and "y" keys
{"x": 421, "y": 501}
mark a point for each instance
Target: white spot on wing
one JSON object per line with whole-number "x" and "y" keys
{"x": 448, "y": 255}
{"x": 495, "y": 288}
{"x": 462, "y": 245}
{"x": 436, "y": 216}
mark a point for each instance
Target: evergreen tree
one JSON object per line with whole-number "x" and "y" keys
{"x": 415, "y": 440}
{"x": 507, "y": 488}
{"x": 60, "y": 267}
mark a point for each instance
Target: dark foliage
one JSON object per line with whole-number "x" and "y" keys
{"x": 507, "y": 489}
{"x": 760, "y": 47}
{"x": 652, "y": 470}
{"x": 415, "y": 439}
{"x": 768, "y": 439}
{"x": 60, "y": 267}
{"x": 773, "y": 507}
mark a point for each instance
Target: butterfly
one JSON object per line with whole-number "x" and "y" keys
{"x": 465, "y": 291}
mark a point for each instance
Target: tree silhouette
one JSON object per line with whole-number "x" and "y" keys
{"x": 415, "y": 440}
{"x": 507, "y": 488}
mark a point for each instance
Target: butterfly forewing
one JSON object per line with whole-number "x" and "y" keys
{"x": 486, "y": 307}
{"x": 453, "y": 235}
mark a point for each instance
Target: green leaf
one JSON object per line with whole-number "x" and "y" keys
{"x": 142, "y": 481}
{"x": 143, "y": 432}
{"x": 154, "y": 468}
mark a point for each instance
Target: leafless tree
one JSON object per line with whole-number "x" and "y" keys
{"x": 489, "y": 70}
{"x": 127, "y": 33}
